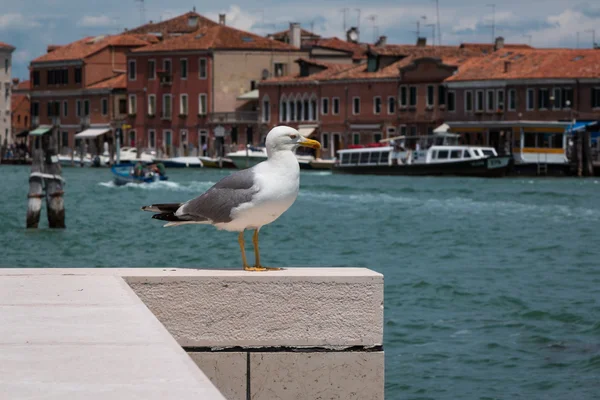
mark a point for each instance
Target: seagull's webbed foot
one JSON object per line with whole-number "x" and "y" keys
{"x": 268, "y": 268}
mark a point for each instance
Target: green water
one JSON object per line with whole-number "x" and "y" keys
{"x": 492, "y": 287}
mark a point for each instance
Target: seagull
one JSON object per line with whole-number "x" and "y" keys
{"x": 249, "y": 198}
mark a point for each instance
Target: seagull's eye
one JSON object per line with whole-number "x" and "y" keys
{"x": 293, "y": 136}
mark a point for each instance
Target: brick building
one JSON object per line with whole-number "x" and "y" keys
{"x": 398, "y": 90}
{"x": 20, "y": 108}
{"x": 201, "y": 87}
{"x": 81, "y": 85}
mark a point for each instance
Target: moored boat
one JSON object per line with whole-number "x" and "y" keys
{"x": 219, "y": 162}
{"x": 254, "y": 155}
{"x": 181, "y": 162}
{"x": 322, "y": 164}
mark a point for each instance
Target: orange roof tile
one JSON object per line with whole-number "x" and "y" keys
{"x": 24, "y": 85}
{"x": 218, "y": 37}
{"x": 90, "y": 45}
{"x": 488, "y": 47}
{"x": 6, "y": 46}
{"x": 358, "y": 51}
{"x": 181, "y": 24}
{"x": 17, "y": 100}
{"x": 116, "y": 82}
{"x": 329, "y": 70}
{"x": 405, "y": 50}
{"x": 531, "y": 64}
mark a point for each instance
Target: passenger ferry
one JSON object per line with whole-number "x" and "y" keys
{"x": 441, "y": 159}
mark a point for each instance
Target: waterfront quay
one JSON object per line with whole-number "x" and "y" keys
{"x": 124, "y": 334}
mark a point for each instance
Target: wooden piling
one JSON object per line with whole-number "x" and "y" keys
{"x": 36, "y": 189}
{"x": 55, "y": 204}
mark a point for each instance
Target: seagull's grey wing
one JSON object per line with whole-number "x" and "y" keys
{"x": 217, "y": 202}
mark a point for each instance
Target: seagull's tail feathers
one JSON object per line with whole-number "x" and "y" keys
{"x": 163, "y": 208}
{"x": 174, "y": 220}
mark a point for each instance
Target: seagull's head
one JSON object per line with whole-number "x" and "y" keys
{"x": 283, "y": 138}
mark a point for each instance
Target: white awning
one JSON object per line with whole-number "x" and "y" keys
{"x": 92, "y": 133}
{"x": 306, "y": 132}
{"x": 442, "y": 128}
{"x": 251, "y": 95}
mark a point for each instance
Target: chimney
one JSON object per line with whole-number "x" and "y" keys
{"x": 506, "y": 67}
{"x": 382, "y": 41}
{"x": 499, "y": 44}
{"x": 352, "y": 35}
{"x": 421, "y": 42}
{"x": 15, "y": 81}
{"x": 295, "y": 35}
{"x": 222, "y": 19}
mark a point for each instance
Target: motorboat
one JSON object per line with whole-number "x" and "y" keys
{"x": 123, "y": 174}
{"x": 217, "y": 162}
{"x": 181, "y": 162}
{"x": 319, "y": 163}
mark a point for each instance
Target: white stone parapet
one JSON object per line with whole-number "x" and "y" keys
{"x": 301, "y": 333}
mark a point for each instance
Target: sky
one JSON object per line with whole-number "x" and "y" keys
{"x": 31, "y": 25}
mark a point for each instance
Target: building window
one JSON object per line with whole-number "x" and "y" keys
{"x": 35, "y": 77}
{"x": 122, "y": 106}
{"x": 132, "y": 138}
{"x": 299, "y": 114}
{"x": 167, "y": 66}
{"x": 202, "y": 109}
{"x": 490, "y": 101}
{"x": 266, "y": 109}
{"x": 500, "y": 100}
{"x": 402, "y": 130}
{"x": 78, "y": 108}
{"x": 412, "y": 98}
{"x": 283, "y": 110}
{"x": 65, "y": 139}
{"x": 442, "y": 95}
{"x": 451, "y": 101}
{"x": 356, "y": 138}
{"x": 325, "y": 140}
{"x": 291, "y": 110}
{"x": 57, "y": 77}
{"x": 279, "y": 69}
{"x": 152, "y": 105}
{"x": 479, "y": 103}
{"x": 86, "y": 108}
{"x": 403, "y": 96}
{"x": 202, "y": 68}
{"x": 512, "y": 100}
{"x": 132, "y": 104}
{"x": 65, "y": 108}
{"x": 35, "y": 109}
{"x": 356, "y": 105}
{"x": 468, "y": 101}
{"x": 167, "y": 110}
{"x": 183, "y": 68}
{"x": 543, "y": 99}
{"x": 152, "y": 138}
{"x": 6, "y": 65}
{"x": 377, "y": 105}
{"x": 306, "y": 109}
{"x": 183, "y": 104}
{"x": 391, "y": 109}
{"x": 131, "y": 70}
{"x": 530, "y": 99}
{"x": 413, "y": 130}
{"x": 335, "y": 108}
{"x": 567, "y": 97}
{"x": 557, "y": 102}
{"x": 430, "y": 99}
{"x": 595, "y": 95}
{"x": 313, "y": 109}
{"x": 104, "y": 106}
{"x": 152, "y": 70}
{"x": 324, "y": 106}
{"x": 78, "y": 76}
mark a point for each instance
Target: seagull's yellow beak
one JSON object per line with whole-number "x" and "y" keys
{"x": 309, "y": 143}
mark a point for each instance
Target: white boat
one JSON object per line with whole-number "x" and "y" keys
{"x": 130, "y": 154}
{"x": 319, "y": 163}
{"x": 254, "y": 155}
{"x": 181, "y": 162}
{"x": 220, "y": 162}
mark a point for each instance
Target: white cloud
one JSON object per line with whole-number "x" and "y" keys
{"x": 22, "y": 56}
{"x": 16, "y": 21}
{"x": 92, "y": 21}
{"x": 238, "y": 18}
{"x": 566, "y": 26}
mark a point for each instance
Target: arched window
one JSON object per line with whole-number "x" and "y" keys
{"x": 313, "y": 108}
{"x": 292, "y": 110}
{"x": 266, "y": 109}
{"x": 283, "y": 109}
{"x": 305, "y": 108}
{"x": 299, "y": 108}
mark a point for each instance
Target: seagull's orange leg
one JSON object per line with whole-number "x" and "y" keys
{"x": 243, "y": 250}
{"x": 257, "y": 254}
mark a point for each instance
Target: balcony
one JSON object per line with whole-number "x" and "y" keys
{"x": 55, "y": 121}
{"x": 236, "y": 117}
{"x": 84, "y": 120}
